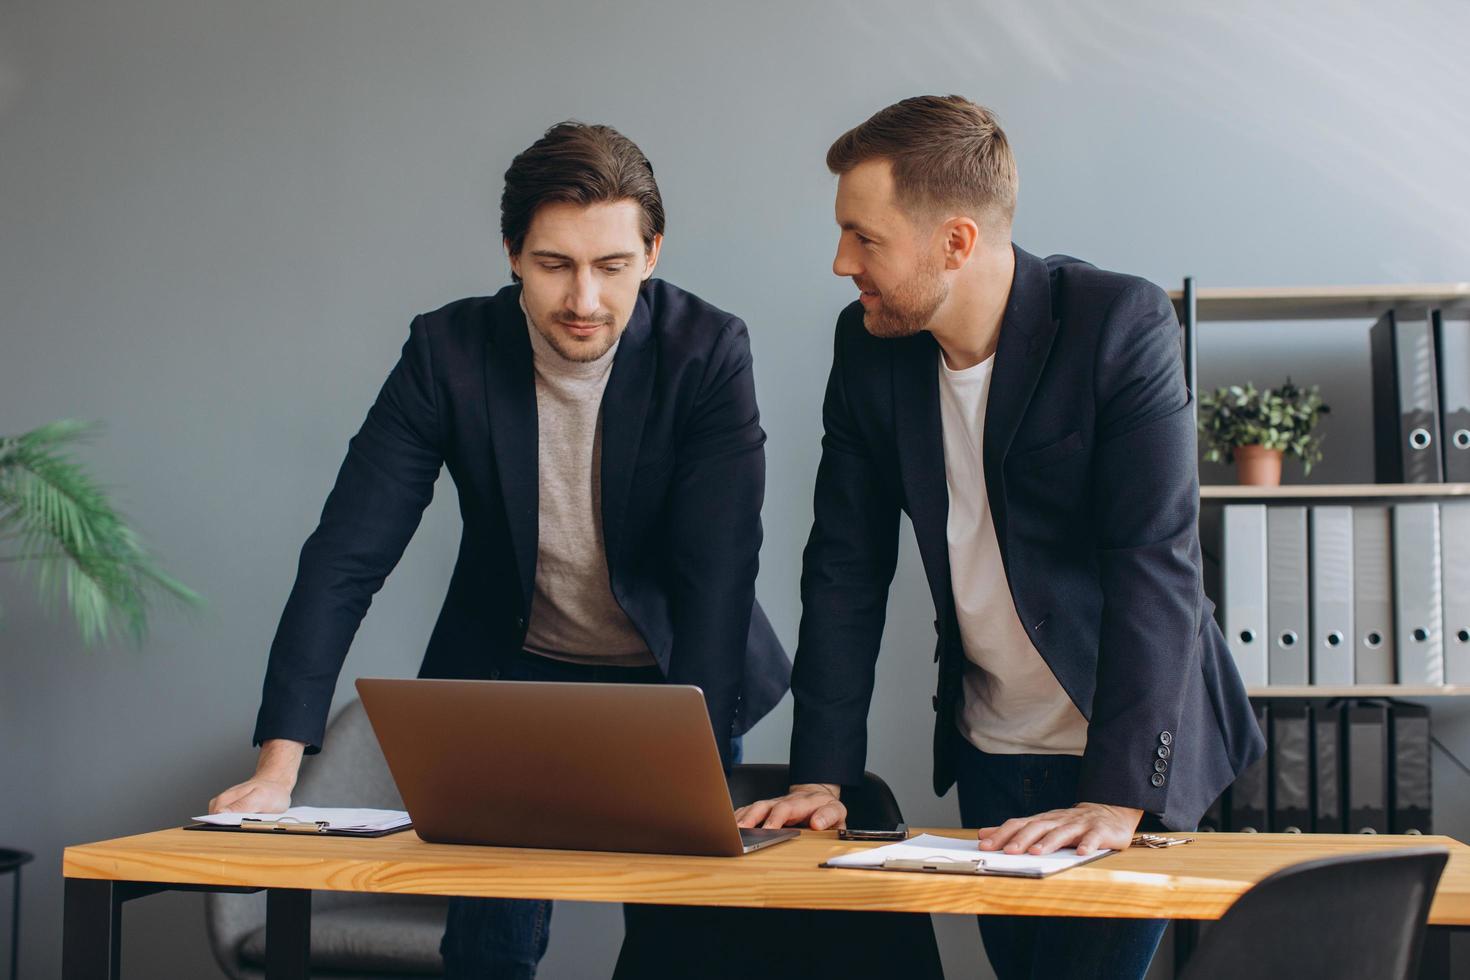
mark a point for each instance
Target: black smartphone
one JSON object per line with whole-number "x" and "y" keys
{"x": 901, "y": 832}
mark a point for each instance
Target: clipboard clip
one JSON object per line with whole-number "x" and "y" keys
{"x": 287, "y": 824}
{"x": 942, "y": 865}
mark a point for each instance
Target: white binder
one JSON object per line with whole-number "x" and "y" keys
{"x": 1287, "y": 594}
{"x": 1375, "y": 656}
{"x": 1332, "y": 595}
{"x": 1454, "y": 536}
{"x": 1244, "y": 590}
{"x": 1418, "y": 601}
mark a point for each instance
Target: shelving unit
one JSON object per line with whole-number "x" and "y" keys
{"x": 1335, "y": 491}
{"x": 1252, "y": 303}
{"x": 1196, "y": 305}
{"x": 1361, "y": 691}
{"x": 1290, "y": 306}
{"x": 1235, "y": 304}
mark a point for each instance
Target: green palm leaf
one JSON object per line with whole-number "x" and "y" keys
{"x": 56, "y": 518}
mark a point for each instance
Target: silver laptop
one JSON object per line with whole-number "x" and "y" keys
{"x": 599, "y": 767}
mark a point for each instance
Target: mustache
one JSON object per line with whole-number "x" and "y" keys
{"x": 601, "y": 319}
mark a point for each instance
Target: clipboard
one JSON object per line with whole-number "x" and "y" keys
{"x": 973, "y": 867}
{"x": 304, "y": 828}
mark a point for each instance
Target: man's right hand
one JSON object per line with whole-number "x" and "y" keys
{"x": 814, "y": 804}
{"x": 269, "y": 790}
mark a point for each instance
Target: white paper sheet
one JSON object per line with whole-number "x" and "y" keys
{"x": 933, "y": 847}
{"x": 337, "y": 818}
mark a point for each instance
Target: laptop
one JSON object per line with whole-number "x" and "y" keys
{"x": 594, "y": 767}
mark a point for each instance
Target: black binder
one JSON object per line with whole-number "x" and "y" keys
{"x": 1452, "y": 354}
{"x": 1290, "y": 749}
{"x": 1406, "y": 429}
{"x": 1367, "y": 767}
{"x": 1248, "y": 794}
{"x": 1409, "y": 724}
{"x": 1327, "y": 769}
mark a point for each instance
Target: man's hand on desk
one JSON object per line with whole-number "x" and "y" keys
{"x": 1086, "y": 826}
{"x": 814, "y": 804}
{"x": 269, "y": 790}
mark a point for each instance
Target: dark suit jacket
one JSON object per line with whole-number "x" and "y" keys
{"x": 683, "y": 477}
{"x": 1092, "y": 478}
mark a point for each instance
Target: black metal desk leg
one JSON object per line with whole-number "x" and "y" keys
{"x": 1186, "y": 938}
{"x": 15, "y": 929}
{"x": 287, "y": 934}
{"x": 91, "y": 947}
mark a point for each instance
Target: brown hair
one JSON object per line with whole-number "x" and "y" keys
{"x": 583, "y": 164}
{"x": 945, "y": 151}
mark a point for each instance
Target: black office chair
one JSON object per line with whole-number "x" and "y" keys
{"x": 1359, "y": 915}
{"x": 772, "y": 944}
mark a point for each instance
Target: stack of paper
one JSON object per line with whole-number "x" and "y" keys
{"x": 933, "y": 849}
{"x": 336, "y": 818}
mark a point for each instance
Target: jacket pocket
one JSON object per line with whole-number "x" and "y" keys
{"x": 1035, "y": 459}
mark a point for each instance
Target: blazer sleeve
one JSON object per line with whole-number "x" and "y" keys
{"x": 1146, "y": 505}
{"x": 382, "y": 488}
{"x": 715, "y": 496}
{"x": 847, "y": 569}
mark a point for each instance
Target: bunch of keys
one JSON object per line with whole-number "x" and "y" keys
{"x": 1156, "y": 840}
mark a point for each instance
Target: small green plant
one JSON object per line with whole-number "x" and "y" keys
{"x": 1275, "y": 418}
{"x": 56, "y": 519}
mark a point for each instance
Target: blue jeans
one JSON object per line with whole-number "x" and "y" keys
{"x": 994, "y": 788}
{"x": 505, "y": 938}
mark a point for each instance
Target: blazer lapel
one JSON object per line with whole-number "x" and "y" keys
{"x": 1026, "y": 336}
{"x": 920, "y": 434}
{"x": 510, "y": 398}
{"x": 624, "y": 408}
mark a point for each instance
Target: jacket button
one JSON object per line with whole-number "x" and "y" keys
{"x": 1157, "y": 779}
{"x": 1165, "y": 738}
{"x": 934, "y": 700}
{"x": 1161, "y": 765}
{"x": 1162, "y": 751}
{"x": 520, "y": 622}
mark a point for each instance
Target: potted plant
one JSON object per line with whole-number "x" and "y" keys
{"x": 56, "y": 520}
{"x": 1254, "y": 429}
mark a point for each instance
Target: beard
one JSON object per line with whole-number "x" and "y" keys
{"x": 908, "y": 307}
{"x": 580, "y": 350}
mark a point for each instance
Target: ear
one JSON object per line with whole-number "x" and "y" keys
{"x": 959, "y": 238}
{"x": 650, "y": 257}
{"x": 515, "y": 260}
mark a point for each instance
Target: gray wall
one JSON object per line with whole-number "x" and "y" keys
{"x": 216, "y": 220}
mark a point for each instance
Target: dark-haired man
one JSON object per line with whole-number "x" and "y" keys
{"x": 1032, "y": 419}
{"x": 602, "y": 432}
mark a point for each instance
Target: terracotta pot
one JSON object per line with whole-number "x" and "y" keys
{"x": 1256, "y": 466}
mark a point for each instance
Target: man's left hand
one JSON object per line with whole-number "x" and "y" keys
{"x": 1087, "y": 826}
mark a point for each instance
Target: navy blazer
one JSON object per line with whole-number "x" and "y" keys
{"x": 683, "y": 478}
{"x": 1093, "y": 483}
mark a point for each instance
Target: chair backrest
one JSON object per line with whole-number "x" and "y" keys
{"x": 1357, "y": 915}
{"x": 350, "y": 771}
{"x": 870, "y": 805}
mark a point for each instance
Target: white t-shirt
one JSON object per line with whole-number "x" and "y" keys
{"x": 1012, "y": 702}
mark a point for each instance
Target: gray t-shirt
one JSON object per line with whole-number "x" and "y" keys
{"x": 574, "y": 616}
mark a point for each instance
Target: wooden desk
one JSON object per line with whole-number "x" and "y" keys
{"x": 1194, "y": 881}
